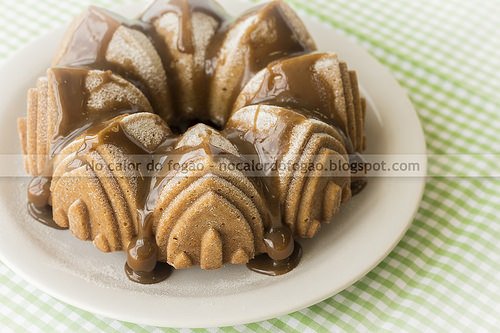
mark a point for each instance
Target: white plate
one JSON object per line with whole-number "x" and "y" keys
{"x": 368, "y": 228}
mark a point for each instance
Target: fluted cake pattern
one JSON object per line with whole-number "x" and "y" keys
{"x": 186, "y": 83}
{"x": 210, "y": 204}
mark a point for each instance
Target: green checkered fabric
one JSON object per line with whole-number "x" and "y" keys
{"x": 445, "y": 274}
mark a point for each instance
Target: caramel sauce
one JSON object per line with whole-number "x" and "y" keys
{"x": 39, "y": 191}
{"x": 278, "y": 239}
{"x": 87, "y": 49}
{"x": 90, "y": 40}
{"x": 184, "y": 9}
{"x": 38, "y": 201}
{"x": 357, "y": 186}
{"x": 279, "y": 243}
{"x": 73, "y": 115}
{"x": 142, "y": 264}
{"x": 264, "y": 264}
{"x": 142, "y": 258}
{"x": 286, "y": 44}
{"x": 160, "y": 273}
{"x": 358, "y": 182}
{"x": 72, "y": 118}
{"x": 43, "y": 215}
{"x": 291, "y": 86}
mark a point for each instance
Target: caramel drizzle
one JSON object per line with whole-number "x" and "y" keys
{"x": 287, "y": 44}
{"x": 184, "y": 9}
{"x": 90, "y": 40}
{"x": 72, "y": 119}
{"x": 71, "y": 94}
{"x": 86, "y": 50}
{"x": 38, "y": 201}
{"x": 101, "y": 25}
{"x": 142, "y": 265}
{"x": 295, "y": 88}
{"x": 282, "y": 253}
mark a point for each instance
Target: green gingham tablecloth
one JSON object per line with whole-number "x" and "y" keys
{"x": 445, "y": 274}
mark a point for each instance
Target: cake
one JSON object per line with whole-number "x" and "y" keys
{"x": 165, "y": 137}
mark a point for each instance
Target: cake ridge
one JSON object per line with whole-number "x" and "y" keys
{"x": 183, "y": 34}
{"x": 301, "y": 181}
{"x": 177, "y": 205}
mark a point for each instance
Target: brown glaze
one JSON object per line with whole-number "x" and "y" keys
{"x": 279, "y": 243}
{"x": 39, "y": 191}
{"x": 69, "y": 85}
{"x": 298, "y": 83}
{"x": 142, "y": 254}
{"x": 111, "y": 132}
{"x": 142, "y": 250}
{"x": 185, "y": 9}
{"x": 278, "y": 40}
{"x": 267, "y": 147}
{"x": 142, "y": 264}
{"x": 278, "y": 238}
{"x": 43, "y": 215}
{"x": 160, "y": 273}
{"x": 89, "y": 41}
{"x": 358, "y": 185}
{"x": 38, "y": 201}
{"x": 286, "y": 44}
{"x": 264, "y": 264}
{"x": 358, "y": 182}
{"x": 74, "y": 116}
{"x": 293, "y": 87}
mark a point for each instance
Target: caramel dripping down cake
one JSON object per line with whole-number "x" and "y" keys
{"x": 186, "y": 82}
{"x": 269, "y": 32}
{"x": 64, "y": 101}
{"x": 183, "y": 32}
{"x": 203, "y": 45}
{"x": 208, "y": 216}
{"x": 288, "y": 137}
{"x": 100, "y": 39}
{"x": 317, "y": 82}
{"x": 100, "y": 204}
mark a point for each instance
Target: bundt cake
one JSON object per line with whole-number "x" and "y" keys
{"x": 181, "y": 137}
